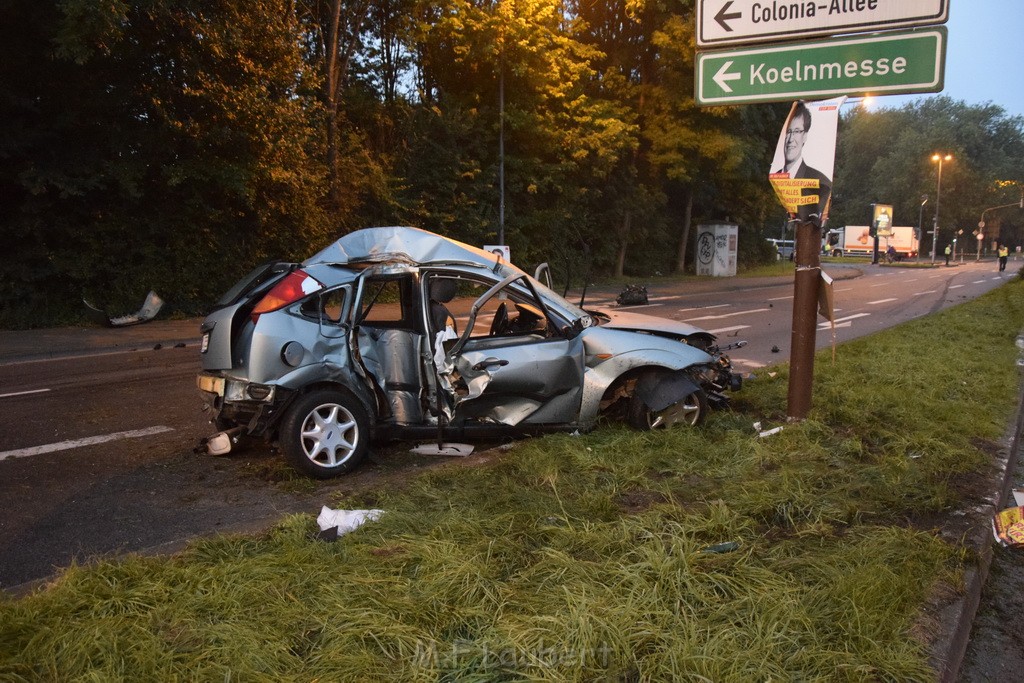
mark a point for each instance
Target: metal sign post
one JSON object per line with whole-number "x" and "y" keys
{"x": 805, "y": 320}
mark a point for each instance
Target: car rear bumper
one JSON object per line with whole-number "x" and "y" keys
{"x": 254, "y": 407}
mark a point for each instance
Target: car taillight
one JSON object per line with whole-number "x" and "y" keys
{"x": 295, "y": 285}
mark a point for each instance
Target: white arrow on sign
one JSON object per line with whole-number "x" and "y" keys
{"x": 723, "y": 77}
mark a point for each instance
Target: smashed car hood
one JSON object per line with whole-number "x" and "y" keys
{"x": 628, "y": 320}
{"x": 412, "y": 245}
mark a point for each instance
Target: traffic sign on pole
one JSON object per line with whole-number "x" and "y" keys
{"x": 896, "y": 62}
{"x": 732, "y": 22}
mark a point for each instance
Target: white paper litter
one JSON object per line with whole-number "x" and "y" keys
{"x": 770, "y": 432}
{"x": 345, "y": 520}
{"x": 460, "y": 450}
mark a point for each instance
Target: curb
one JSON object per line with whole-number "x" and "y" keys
{"x": 949, "y": 650}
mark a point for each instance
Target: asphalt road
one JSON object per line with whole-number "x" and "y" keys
{"x": 99, "y": 425}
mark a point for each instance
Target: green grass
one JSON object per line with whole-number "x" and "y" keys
{"x": 582, "y": 558}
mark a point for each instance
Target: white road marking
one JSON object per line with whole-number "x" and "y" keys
{"x": 930, "y": 291}
{"x": 881, "y": 301}
{"x": 727, "y": 315}
{"x": 845, "y": 289}
{"x": 626, "y": 308}
{"x": 781, "y": 298}
{"x": 827, "y": 326}
{"x": 955, "y": 286}
{"x": 849, "y": 317}
{"x": 703, "y": 308}
{"x": 978, "y": 282}
{"x": 78, "y": 443}
{"x": 24, "y": 393}
{"x": 882, "y": 284}
{"x": 96, "y": 354}
{"x": 723, "y": 330}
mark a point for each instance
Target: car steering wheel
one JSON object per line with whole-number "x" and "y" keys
{"x": 499, "y": 325}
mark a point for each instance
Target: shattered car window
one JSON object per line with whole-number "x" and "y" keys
{"x": 384, "y": 304}
{"x": 329, "y": 306}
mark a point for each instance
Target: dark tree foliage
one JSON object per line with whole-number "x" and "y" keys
{"x": 886, "y": 157}
{"x": 173, "y": 144}
{"x": 157, "y": 145}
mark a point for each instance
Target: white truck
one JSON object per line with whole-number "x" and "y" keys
{"x": 856, "y": 240}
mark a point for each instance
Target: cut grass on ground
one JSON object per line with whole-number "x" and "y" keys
{"x": 688, "y": 555}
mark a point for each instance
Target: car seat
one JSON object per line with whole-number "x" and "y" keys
{"x": 442, "y": 291}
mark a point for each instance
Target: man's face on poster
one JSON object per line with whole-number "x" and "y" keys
{"x": 796, "y": 135}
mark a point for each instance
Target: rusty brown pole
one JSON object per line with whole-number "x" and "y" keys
{"x": 805, "y": 319}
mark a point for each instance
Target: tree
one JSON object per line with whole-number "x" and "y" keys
{"x": 885, "y": 157}
{"x": 160, "y": 144}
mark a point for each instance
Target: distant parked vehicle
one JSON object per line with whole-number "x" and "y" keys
{"x": 400, "y": 333}
{"x": 783, "y": 249}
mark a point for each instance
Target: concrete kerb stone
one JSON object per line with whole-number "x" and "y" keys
{"x": 949, "y": 649}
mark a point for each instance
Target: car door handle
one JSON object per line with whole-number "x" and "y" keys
{"x": 488, "y": 362}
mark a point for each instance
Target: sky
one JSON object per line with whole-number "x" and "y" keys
{"x": 984, "y": 57}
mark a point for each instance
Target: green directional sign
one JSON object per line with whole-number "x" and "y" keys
{"x": 891, "y": 63}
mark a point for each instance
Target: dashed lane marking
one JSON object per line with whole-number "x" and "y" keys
{"x": 78, "y": 443}
{"x": 722, "y": 330}
{"x": 727, "y": 315}
{"x": 23, "y": 393}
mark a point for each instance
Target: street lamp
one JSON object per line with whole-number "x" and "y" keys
{"x": 920, "y": 224}
{"x": 938, "y": 197}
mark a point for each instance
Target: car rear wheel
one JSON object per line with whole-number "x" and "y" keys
{"x": 690, "y": 411}
{"x": 325, "y": 434}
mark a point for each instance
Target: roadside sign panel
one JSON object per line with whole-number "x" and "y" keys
{"x": 731, "y": 22}
{"x": 897, "y": 62}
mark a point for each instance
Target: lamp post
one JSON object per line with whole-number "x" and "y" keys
{"x": 938, "y": 197}
{"x": 920, "y": 224}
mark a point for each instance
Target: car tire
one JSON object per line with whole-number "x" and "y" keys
{"x": 325, "y": 433}
{"x": 691, "y": 411}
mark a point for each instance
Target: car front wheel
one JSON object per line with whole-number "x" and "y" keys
{"x": 325, "y": 434}
{"x": 690, "y": 411}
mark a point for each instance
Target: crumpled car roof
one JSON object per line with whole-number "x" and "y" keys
{"x": 398, "y": 243}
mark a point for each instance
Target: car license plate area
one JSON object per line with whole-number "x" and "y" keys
{"x": 206, "y": 343}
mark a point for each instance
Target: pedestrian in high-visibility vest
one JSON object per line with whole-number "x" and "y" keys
{"x": 1004, "y": 252}
{"x": 949, "y": 250}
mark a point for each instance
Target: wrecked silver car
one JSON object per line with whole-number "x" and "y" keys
{"x": 398, "y": 333}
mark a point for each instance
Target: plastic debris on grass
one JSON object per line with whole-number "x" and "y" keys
{"x": 150, "y": 307}
{"x": 1008, "y": 525}
{"x": 460, "y": 450}
{"x": 767, "y": 432}
{"x": 335, "y": 523}
{"x": 719, "y": 548}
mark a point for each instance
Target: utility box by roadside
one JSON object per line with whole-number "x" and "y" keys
{"x": 716, "y": 249}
